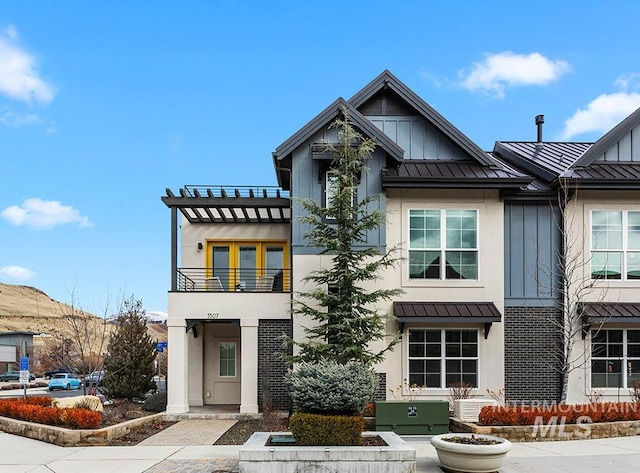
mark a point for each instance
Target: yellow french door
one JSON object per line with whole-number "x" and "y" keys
{"x": 243, "y": 265}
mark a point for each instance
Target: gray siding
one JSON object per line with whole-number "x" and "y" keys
{"x": 307, "y": 183}
{"x": 419, "y": 139}
{"x": 532, "y": 242}
{"x": 627, "y": 149}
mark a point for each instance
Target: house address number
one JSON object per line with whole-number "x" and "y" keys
{"x": 212, "y": 315}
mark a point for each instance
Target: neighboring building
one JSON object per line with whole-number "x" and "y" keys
{"x": 10, "y": 346}
{"x": 472, "y": 226}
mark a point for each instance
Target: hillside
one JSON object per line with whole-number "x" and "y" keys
{"x": 26, "y": 308}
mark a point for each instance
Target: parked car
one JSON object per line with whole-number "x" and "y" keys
{"x": 14, "y": 376}
{"x": 49, "y": 374}
{"x": 64, "y": 381}
{"x": 95, "y": 378}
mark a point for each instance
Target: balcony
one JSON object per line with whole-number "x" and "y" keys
{"x": 238, "y": 280}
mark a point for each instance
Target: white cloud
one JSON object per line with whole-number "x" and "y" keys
{"x": 507, "y": 69}
{"x": 19, "y": 77}
{"x": 43, "y": 214}
{"x": 605, "y": 111}
{"x": 14, "y": 120}
{"x": 17, "y": 272}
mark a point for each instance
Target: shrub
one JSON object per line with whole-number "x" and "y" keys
{"x": 524, "y": 415}
{"x": 317, "y": 429}
{"x": 156, "y": 402}
{"x": 38, "y": 410}
{"x": 328, "y": 387}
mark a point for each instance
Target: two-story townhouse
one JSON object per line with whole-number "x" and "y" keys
{"x": 244, "y": 255}
{"x": 595, "y": 227}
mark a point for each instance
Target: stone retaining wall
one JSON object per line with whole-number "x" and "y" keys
{"x": 73, "y": 437}
{"x": 550, "y": 432}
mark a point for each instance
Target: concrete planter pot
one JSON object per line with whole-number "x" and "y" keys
{"x": 255, "y": 456}
{"x": 470, "y": 458}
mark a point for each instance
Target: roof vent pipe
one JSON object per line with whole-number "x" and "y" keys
{"x": 539, "y": 123}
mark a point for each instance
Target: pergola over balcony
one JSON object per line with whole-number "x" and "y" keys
{"x": 220, "y": 205}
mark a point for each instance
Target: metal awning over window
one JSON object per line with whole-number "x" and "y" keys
{"x": 216, "y": 204}
{"x": 608, "y": 312}
{"x": 448, "y": 313}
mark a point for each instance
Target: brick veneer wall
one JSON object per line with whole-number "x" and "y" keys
{"x": 271, "y": 365}
{"x": 530, "y": 339}
{"x": 381, "y": 392}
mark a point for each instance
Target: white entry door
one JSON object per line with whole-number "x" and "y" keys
{"x": 222, "y": 366}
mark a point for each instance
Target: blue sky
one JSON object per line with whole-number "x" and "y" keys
{"x": 103, "y": 105}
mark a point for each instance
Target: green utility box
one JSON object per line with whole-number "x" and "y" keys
{"x": 413, "y": 417}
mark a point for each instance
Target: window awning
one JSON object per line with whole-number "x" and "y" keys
{"x": 608, "y": 312}
{"x": 448, "y": 313}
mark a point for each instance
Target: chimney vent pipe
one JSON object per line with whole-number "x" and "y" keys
{"x": 539, "y": 122}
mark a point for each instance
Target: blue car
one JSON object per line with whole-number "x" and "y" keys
{"x": 64, "y": 381}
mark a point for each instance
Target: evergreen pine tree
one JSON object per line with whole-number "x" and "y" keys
{"x": 345, "y": 313}
{"x": 131, "y": 352}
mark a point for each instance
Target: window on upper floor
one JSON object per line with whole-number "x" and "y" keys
{"x": 615, "y": 358}
{"x": 331, "y": 190}
{"x": 615, "y": 244}
{"x": 443, "y": 244}
{"x": 439, "y": 358}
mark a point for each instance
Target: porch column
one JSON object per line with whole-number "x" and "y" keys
{"x": 178, "y": 367}
{"x": 249, "y": 366}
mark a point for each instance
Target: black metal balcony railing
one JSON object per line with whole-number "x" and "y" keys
{"x": 234, "y": 280}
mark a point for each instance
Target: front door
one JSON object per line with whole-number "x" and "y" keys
{"x": 222, "y": 364}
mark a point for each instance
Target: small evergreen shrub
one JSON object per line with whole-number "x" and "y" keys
{"x": 156, "y": 402}
{"x": 317, "y": 429}
{"x": 331, "y": 388}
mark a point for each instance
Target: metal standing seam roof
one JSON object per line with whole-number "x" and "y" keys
{"x": 607, "y": 175}
{"x": 447, "y": 312}
{"x": 598, "y": 312}
{"x": 433, "y": 173}
{"x": 550, "y": 159}
{"x": 216, "y": 204}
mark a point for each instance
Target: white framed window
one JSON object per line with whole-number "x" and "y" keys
{"x": 227, "y": 359}
{"x": 615, "y": 244}
{"x": 615, "y": 358}
{"x": 443, "y": 244}
{"x": 438, "y": 358}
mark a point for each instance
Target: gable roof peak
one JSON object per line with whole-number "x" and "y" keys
{"x": 386, "y": 80}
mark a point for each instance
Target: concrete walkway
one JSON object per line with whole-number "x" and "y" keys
{"x": 22, "y": 455}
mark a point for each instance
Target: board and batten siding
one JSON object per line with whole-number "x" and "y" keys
{"x": 417, "y": 138}
{"x": 627, "y": 149}
{"x": 532, "y": 240}
{"x": 308, "y": 183}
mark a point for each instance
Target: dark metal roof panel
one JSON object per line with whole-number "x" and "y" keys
{"x": 607, "y": 171}
{"x": 447, "y": 311}
{"x": 611, "y": 311}
{"x": 425, "y": 173}
{"x": 551, "y": 157}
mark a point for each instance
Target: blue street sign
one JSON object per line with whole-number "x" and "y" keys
{"x": 24, "y": 363}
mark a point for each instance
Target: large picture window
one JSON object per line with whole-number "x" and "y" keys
{"x": 615, "y": 244}
{"x": 615, "y": 358}
{"x": 439, "y": 358}
{"x": 443, "y": 244}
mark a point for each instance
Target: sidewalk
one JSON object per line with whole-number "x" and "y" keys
{"x": 22, "y": 455}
